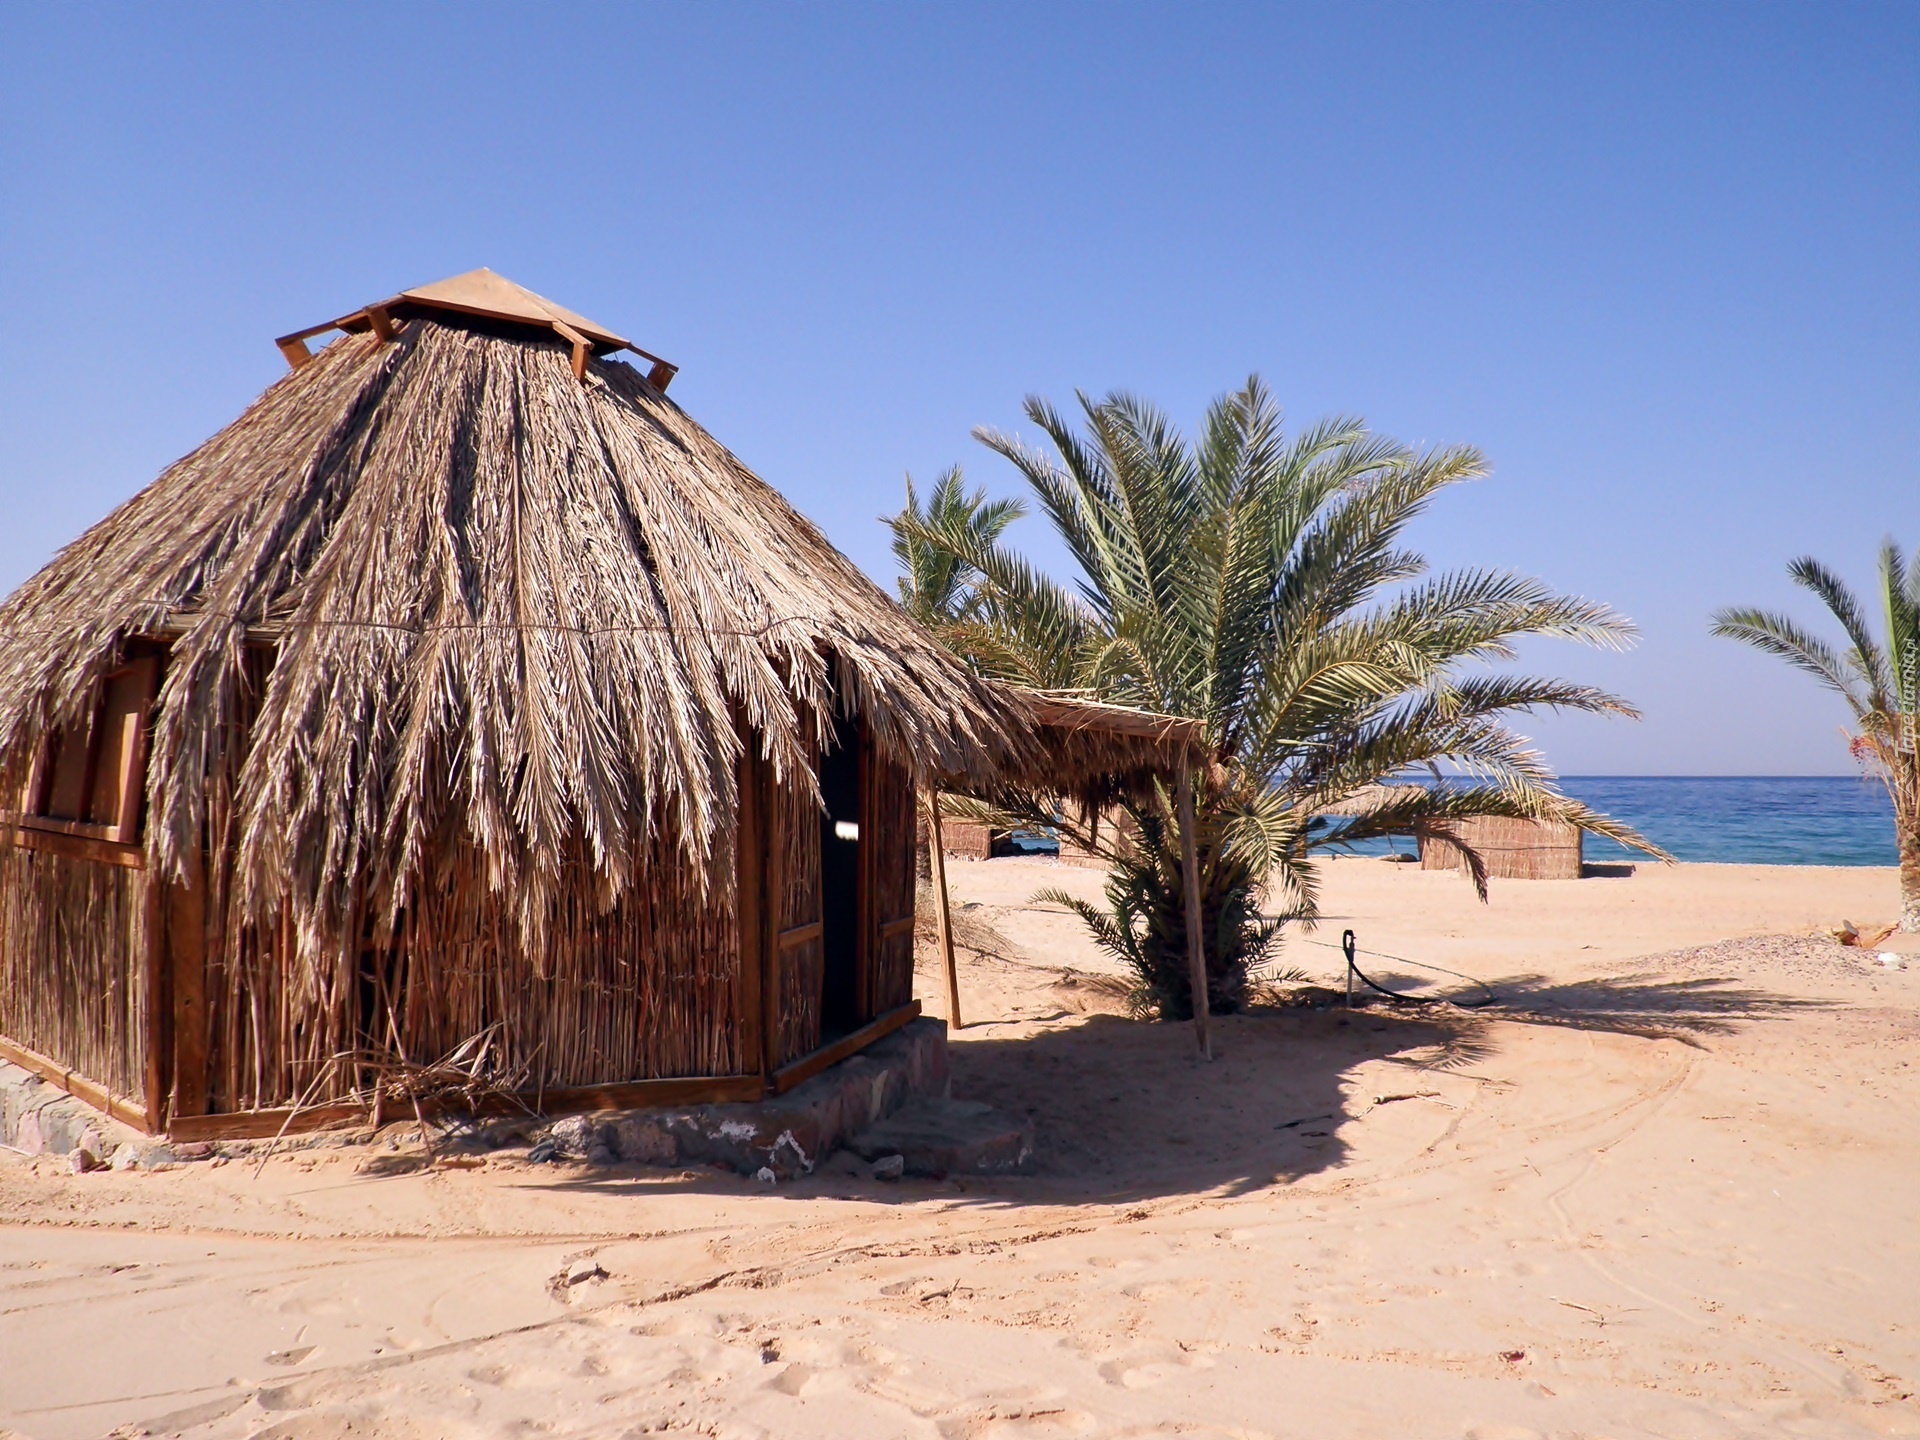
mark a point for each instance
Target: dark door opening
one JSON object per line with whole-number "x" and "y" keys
{"x": 840, "y": 856}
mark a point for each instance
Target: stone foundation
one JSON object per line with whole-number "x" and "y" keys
{"x": 775, "y": 1139}
{"x": 39, "y": 1118}
{"x": 780, "y": 1137}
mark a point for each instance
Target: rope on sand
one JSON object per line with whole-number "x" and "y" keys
{"x": 1350, "y": 947}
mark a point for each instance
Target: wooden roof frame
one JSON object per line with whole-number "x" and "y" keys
{"x": 386, "y": 319}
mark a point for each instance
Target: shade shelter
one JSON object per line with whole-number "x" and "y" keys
{"x": 466, "y": 697}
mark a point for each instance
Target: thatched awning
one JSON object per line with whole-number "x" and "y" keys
{"x": 1096, "y": 753}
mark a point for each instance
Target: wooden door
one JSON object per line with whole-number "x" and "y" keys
{"x": 888, "y": 825}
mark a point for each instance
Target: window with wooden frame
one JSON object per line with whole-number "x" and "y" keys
{"x": 89, "y": 780}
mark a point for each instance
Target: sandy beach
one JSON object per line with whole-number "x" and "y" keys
{"x": 1663, "y": 1185}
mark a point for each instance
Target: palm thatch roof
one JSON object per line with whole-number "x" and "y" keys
{"x": 513, "y": 609}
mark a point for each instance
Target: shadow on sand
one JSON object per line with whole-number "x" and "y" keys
{"x": 1125, "y": 1111}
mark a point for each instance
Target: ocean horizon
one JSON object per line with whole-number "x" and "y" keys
{"x": 1737, "y": 819}
{"x": 1745, "y": 819}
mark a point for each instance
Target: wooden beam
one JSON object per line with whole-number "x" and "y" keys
{"x": 629, "y": 1095}
{"x": 642, "y": 1094}
{"x": 893, "y": 929}
{"x": 805, "y": 1068}
{"x": 1190, "y": 874}
{"x": 382, "y": 324}
{"x": 943, "y": 907}
{"x": 582, "y": 347}
{"x": 121, "y": 1108}
{"x": 661, "y": 375}
{"x": 31, "y": 836}
{"x": 798, "y": 935}
{"x": 296, "y": 352}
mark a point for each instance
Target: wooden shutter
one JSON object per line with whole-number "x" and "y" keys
{"x": 120, "y": 749}
{"x": 91, "y": 780}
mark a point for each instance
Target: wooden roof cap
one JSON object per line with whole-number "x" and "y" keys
{"x": 489, "y": 296}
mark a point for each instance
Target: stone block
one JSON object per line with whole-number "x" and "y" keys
{"x": 936, "y": 1137}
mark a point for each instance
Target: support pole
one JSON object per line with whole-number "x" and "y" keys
{"x": 942, "y": 906}
{"x": 1190, "y": 872}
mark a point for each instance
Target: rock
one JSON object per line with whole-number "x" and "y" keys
{"x": 144, "y": 1157}
{"x": 643, "y": 1140}
{"x": 543, "y": 1153}
{"x": 574, "y": 1135}
{"x": 84, "y": 1160}
{"x": 600, "y": 1155}
{"x": 765, "y": 1176}
{"x": 194, "y": 1150}
{"x": 889, "y": 1167}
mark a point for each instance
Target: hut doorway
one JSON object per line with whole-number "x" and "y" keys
{"x": 842, "y": 853}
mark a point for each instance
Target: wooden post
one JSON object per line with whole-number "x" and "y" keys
{"x": 750, "y": 885}
{"x": 775, "y": 819}
{"x": 187, "y": 962}
{"x": 1190, "y": 873}
{"x": 159, "y": 988}
{"x": 942, "y": 905}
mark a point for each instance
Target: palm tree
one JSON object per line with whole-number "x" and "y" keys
{"x": 936, "y": 585}
{"x": 1258, "y": 582}
{"x": 1878, "y": 682}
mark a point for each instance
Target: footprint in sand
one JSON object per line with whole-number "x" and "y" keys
{"x": 793, "y": 1380}
{"x": 1018, "y": 1423}
{"x": 335, "y": 1424}
{"x": 1140, "y": 1369}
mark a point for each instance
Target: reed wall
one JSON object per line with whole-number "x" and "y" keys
{"x": 1510, "y": 849}
{"x": 73, "y": 975}
{"x": 647, "y": 990}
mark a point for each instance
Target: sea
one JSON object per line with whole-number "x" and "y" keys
{"x": 1739, "y": 819}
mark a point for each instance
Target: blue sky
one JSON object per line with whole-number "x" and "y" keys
{"x": 1658, "y": 262}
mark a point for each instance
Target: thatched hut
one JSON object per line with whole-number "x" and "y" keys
{"x": 464, "y": 698}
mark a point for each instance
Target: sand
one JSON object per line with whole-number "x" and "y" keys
{"x": 1668, "y": 1185}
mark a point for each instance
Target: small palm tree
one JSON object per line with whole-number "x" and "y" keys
{"x": 1879, "y": 683}
{"x": 937, "y": 585}
{"x": 1259, "y": 582}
